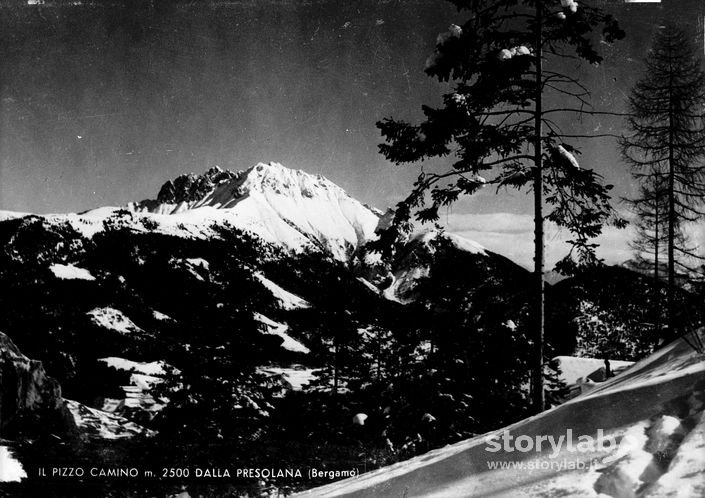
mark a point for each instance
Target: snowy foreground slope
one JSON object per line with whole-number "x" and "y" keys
{"x": 654, "y": 411}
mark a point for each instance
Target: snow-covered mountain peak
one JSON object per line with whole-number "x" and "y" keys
{"x": 223, "y": 189}
{"x": 283, "y": 206}
{"x": 192, "y": 188}
{"x": 276, "y": 178}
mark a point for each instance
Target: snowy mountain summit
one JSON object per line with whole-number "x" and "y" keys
{"x": 289, "y": 209}
{"x": 281, "y": 205}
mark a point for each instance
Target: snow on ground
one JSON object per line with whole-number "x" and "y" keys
{"x": 405, "y": 279}
{"x": 11, "y": 469}
{"x": 70, "y": 272}
{"x": 154, "y": 368}
{"x": 296, "y": 375}
{"x": 466, "y": 245}
{"x": 11, "y": 215}
{"x": 198, "y": 263}
{"x": 286, "y": 299}
{"x": 654, "y": 411}
{"x": 190, "y": 224}
{"x": 113, "y": 319}
{"x": 137, "y": 393}
{"x": 369, "y": 285}
{"x": 161, "y": 316}
{"x": 197, "y": 267}
{"x": 99, "y": 424}
{"x": 403, "y": 283}
{"x": 685, "y": 474}
{"x": 145, "y": 382}
{"x": 87, "y": 224}
{"x": 276, "y": 328}
{"x": 461, "y": 243}
{"x": 573, "y": 367}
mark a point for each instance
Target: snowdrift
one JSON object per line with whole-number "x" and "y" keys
{"x": 10, "y": 468}
{"x": 652, "y": 415}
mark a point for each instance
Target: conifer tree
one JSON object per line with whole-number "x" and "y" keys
{"x": 502, "y": 61}
{"x": 666, "y": 152}
{"x": 649, "y": 245}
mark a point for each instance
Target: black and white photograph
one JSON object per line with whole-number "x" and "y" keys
{"x": 365, "y": 248}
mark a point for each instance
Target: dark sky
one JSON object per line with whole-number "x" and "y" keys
{"x": 100, "y": 106}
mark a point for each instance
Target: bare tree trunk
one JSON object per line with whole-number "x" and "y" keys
{"x": 657, "y": 293}
{"x": 379, "y": 355}
{"x": 671, "y": 214}
{"x": 539, "y": 318}
{"x": 335, "y": 368}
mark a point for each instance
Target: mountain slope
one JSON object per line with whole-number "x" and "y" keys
{"x": 412, "y": 265}
{"x": 288, "y": 208}
{"x": 281, "y": 205}
{"x": 654, "y": 410}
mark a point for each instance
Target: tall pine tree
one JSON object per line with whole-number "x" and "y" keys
{"x": 651, "y": 239}
{"x": 502, "y": 60}
{"x": 666, "y": 152}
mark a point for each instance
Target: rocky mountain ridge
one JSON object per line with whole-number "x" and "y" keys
{"x": 27, "y": 392}
{"x": 281, "y": 205}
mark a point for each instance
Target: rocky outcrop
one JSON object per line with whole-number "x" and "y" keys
{"x": 29, "y": 399}
{"x": 193, "y": 188}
